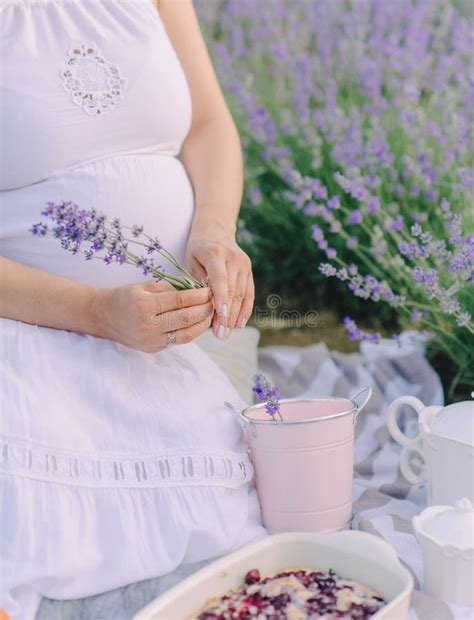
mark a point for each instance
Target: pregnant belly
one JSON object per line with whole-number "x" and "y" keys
{"x": 150, "y": 190}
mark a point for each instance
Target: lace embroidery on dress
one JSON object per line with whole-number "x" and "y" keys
{"x": 193, "y": 468}
{"x": 94, "y": 82}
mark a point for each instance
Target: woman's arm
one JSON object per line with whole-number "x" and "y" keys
{"x": 40, "y": 298}
{"x": 212, "y": 156}
{"x": 136, "y": 315}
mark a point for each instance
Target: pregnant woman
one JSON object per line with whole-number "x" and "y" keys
{"x": 118, "y": 460}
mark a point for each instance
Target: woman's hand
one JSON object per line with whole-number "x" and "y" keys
{"x": 140, "y": 315}
{"x": 216, "y": 255}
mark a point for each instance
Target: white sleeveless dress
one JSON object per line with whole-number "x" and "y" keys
{"x": 116, "y": 465}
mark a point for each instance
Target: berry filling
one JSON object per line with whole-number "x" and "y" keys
{"x": 297, "y": 594}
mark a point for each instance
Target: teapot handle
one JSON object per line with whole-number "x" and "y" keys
{"x": 392, "y": 423}
{"x": 405, "y": 464}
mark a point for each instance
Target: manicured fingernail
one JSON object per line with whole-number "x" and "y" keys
{"x": 243, "y": 322}
{"x": 221, "y": 332}
{"x": 227, "y": 333}
{"x": 224, "y": 310}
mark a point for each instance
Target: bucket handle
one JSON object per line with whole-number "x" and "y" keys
{"x": 232, "y": 407}
{"x": 242, "y": 419}
{"x": 365, "y": 399}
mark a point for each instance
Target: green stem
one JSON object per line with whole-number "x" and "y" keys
{"x": 166, "y": 254}
{"x": 178, "y": 283}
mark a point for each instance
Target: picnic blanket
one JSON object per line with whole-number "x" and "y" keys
{"x": 384, "y": 503}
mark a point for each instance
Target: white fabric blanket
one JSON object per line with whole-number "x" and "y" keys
{"x": 383, "y": 502}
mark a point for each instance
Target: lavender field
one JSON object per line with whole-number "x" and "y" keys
{"x": 356, "y": 119}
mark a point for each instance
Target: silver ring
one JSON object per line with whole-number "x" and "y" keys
{"x": 170, "y": 339}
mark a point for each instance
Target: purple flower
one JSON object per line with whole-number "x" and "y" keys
{"x": 255, "y": 195}
{"x": 145, "y": 264}
{"x": 372, "y": 205}
{"x": 356, "y": 333}
{"x": 427, "y": 278}
{"x": 317, "y": 233}
{"x": 395, "y": 224}
{"x": 412, "y": 250}
{"x": 416, "y": 315}
{"x": 342, "y": 274}
{"x": 327, "y": 269}
{"x": 312, "y": 209}
{"x": 355, "y": 217}
{"x": 463, "y": 319}
{"x": 320, "y": 193}
{"x": 333, "y": 203}
{"x": 153, "y": 246}
{"x": 267, "y": 393}
{"x": 40, "y": 229}
{"x": 352, "y": 243}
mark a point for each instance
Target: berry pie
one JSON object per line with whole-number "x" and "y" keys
{"x": 294, "y": 594}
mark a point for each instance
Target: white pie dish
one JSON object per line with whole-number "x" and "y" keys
{"x": 354, "y": 555}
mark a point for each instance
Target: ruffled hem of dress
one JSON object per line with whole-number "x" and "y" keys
{"x": 124, "y": 470}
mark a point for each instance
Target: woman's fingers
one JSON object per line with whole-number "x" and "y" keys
{"x": 247, "y": 303}
{"x": 236, "y": 296}
{"x": 183, "y": 336}
{"x": 215, "y": 265}
{"x": 227, "y": 268}
{"x": 156, "y": 286}
{"x": 169, "y": 300}
{"x": 181, "y": 319}
{"x": 223, "y": 324}
{"x": 188, "y": 334}
{"x": 188, "y": 324}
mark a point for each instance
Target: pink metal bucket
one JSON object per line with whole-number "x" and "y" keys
{"x": 304, "y": 463}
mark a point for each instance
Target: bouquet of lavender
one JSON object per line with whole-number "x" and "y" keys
{"x": 98, "y": 238}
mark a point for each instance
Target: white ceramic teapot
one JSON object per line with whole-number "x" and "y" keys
{"x": 446, "y": 445}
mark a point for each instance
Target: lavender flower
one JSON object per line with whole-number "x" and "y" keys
{"x": 355, "y": 217}
{"x": 255, "y": 195}
{"x": 317, "y": 233}
{"x": 356, "y": 333}
{"x": 333, "y": 203}
{"x": 267, "y": 393}
{"x": 76, "y": 228}
{"x": 372, "y": 205}
{"x": 416, "y": 315}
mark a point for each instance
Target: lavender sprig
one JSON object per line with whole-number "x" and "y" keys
{"x": 101, "y": 238}
{"x": 356, "y": 333}
{"x": 267, "y": 393}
